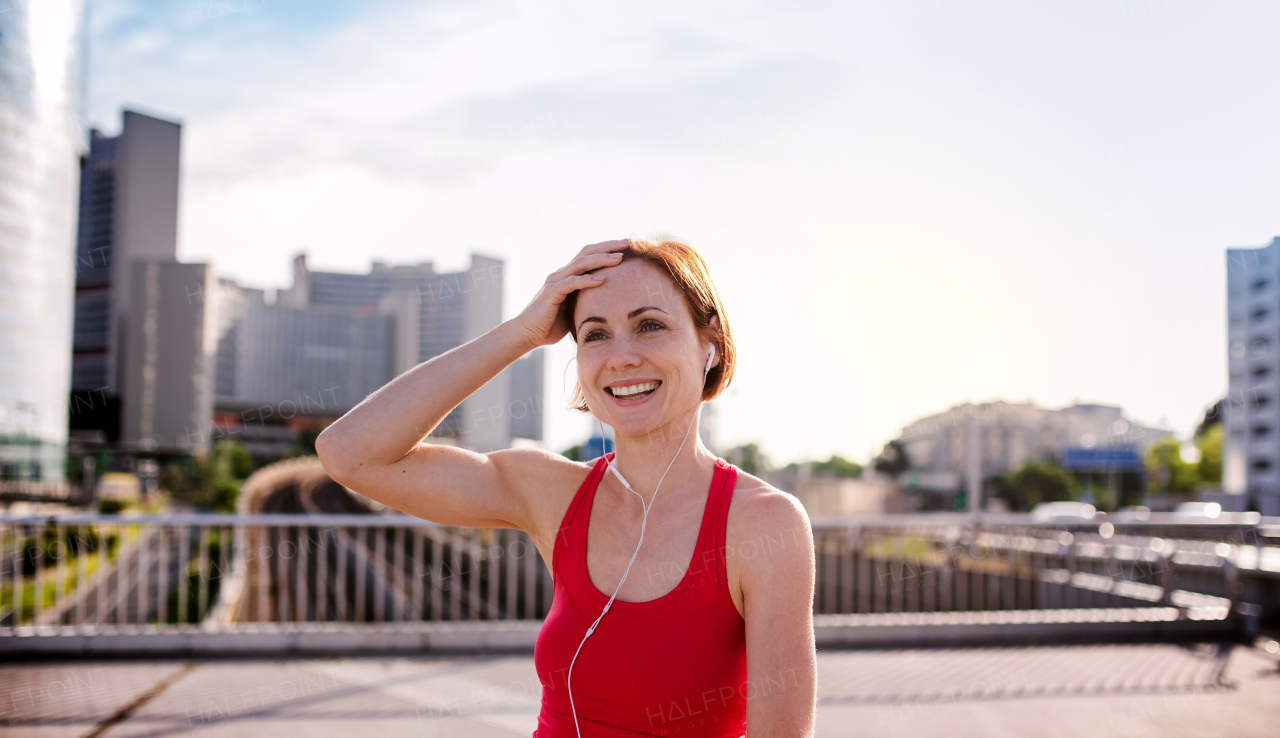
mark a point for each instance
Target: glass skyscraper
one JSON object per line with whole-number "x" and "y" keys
{"x": 41, "y": 138}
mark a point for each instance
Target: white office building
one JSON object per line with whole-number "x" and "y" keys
{"x": 332, "y": 338}
{"x": 1251, "y": 453}
{"x": 968, "y": 445}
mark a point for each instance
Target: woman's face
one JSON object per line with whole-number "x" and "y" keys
{"x": 640, "y": 358}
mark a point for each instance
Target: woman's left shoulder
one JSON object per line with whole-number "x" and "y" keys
{"x": 764, "y": 517}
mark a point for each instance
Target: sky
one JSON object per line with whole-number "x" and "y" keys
{"x": 906, "y": 204}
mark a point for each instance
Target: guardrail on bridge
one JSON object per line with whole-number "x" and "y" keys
{"x": 193, "y": 582}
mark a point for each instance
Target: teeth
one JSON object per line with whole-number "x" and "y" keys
{"x": 634, "y": 389}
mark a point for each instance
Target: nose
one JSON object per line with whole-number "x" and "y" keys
{"x": 623, "y": 353}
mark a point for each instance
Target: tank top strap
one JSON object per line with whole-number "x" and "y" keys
{"x": 566, "y": 536}
{"x": 723, "y": 482}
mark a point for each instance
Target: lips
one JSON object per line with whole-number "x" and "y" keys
{"x": 634, "y": 390}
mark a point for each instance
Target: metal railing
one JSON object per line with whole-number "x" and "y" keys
{"x": 106, "y": 573}
{"x": 92, "y": 572}
{"x": 924, "y": 564}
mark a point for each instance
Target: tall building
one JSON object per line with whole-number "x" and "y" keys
{"x": 42, "y": 46}
{"x": 525, "y": 407}
{"x": 142, "y": 355}
{"x": 1251, "y": 454}
{"x": 333, "y": 338}
{"x": 967, "y": 446}
{"x": 324, "y": 359}
{"x": 168, "y": 357}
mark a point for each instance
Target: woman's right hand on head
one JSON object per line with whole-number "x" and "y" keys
{"x": 541, "y": 320}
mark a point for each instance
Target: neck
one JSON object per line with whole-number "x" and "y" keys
{"x": 643, "y": 458}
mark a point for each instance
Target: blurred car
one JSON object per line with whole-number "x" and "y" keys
{"x": 1051, "y": 512}
{"x": 1132, "y": 514}
{"x": 1198, "y": 510}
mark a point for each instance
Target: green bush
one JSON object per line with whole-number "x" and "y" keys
{"x": 837, "y": 466}
{"x": 748, "y": 458}
{"x": 1209, "y": 468}
{"x": 1167, "y": 472}
{"x": 212, "y": 480}
{"x": 1037, "y": 482}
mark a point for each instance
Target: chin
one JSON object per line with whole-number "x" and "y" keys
{"x": 633, "y": 426}
{"x": 639, "y": 424}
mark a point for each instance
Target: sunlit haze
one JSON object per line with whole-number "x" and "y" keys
{"x": 906, "y": 204}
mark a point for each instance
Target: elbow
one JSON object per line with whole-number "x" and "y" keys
{"x": 329, "y": 449}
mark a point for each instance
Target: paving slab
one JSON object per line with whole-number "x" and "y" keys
{"x": 360, "y": 696}
{"x": 1134, "y": 691}
{"x": 69, "y": 698}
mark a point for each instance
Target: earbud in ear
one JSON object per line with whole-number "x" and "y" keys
{"x": 710, "y": 359}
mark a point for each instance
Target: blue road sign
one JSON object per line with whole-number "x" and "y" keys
{"x": 1102, "y": 458}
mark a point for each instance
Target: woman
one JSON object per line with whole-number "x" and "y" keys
{"x": 709, "y": 631}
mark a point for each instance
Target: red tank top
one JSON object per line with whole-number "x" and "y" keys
{"x": 674, "y": 666}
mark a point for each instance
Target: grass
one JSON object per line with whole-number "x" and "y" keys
{"x": 61, "y": 560}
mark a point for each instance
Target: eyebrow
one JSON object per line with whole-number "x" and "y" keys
{"x": 630, "y": 315}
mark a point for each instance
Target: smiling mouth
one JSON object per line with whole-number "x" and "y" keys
{"x": 632, "y": 391}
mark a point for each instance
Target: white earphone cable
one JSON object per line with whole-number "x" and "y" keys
{"x": 643, "y": 522}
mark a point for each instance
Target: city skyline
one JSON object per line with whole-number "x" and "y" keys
{"x": 165, "y": 358}
{"x": 881, "y": 193}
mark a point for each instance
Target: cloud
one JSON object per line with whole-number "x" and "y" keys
{"x": 685, "y": 115}
{"x": 882, "y": 190}
{"x": 384, "y": 93}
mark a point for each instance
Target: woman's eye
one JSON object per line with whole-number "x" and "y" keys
{"x": 593, "y": 336}
{"x": 651, "y": 325}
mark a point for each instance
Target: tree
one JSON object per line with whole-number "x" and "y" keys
{"x": 1208, "y": 440}
{"x": 238, "y": 464}
{"x": 1209, "y": 468}
{"x": 307, "y": 439}
{"x": 1168, "y": 472}
{"x": 1040, "y": 481}
{"x": 747, "y": 458}
{"x": 837, "y": 466}
{"x": 1212, "y": 417}
{"x": 892, "y": 460}
{"x": 210, "y": 480}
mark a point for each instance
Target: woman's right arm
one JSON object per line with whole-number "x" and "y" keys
{"x": 376, "y": 449}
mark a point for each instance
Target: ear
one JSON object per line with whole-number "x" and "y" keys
{"x": 713, "y": 327}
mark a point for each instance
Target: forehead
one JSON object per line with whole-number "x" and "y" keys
{"x": 632, "y": 284}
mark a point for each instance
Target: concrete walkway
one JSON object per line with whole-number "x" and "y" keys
{"x": 1120, "y": 691}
